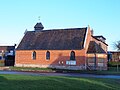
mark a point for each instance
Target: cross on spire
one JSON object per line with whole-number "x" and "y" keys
{"x": 39, "y": 18}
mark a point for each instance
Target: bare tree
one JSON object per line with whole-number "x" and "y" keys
{"x": 117, "y": 45}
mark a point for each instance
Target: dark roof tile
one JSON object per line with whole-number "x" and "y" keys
{"x": 59, "y": 39}
{"x": 94, "y": 48}
{"x": 7, "y": 48}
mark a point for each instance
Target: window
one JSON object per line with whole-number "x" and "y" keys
{"x": 34, "y": 55}
{"x": 47, "y": 55}
{"x": 72, "y": 55}
{"x": 91, "y": 60}
{"x": 101, "y": 60}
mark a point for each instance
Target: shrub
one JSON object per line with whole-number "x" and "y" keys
{"x": 2, "y": 61}
{"x": 113, "y": 64}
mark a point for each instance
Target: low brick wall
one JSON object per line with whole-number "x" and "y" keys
{"x": 52, "y": 66}
{"x": 4, "y": 68}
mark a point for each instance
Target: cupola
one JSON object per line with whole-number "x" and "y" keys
{"x": 38, "y": 26}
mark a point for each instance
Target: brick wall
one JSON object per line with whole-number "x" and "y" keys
{"x": 57, "y": 57}
{"x": 101, "y": 61}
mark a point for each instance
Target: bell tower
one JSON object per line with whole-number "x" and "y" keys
{"x": 38, "y": 27}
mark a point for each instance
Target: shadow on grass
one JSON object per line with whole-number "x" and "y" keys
{"x": 22, "y": 82}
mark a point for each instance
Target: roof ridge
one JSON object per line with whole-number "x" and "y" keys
{"x": 60, "y": 29}
{"x": 67, "y": 28}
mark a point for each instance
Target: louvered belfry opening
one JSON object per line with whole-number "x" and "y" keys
{"x": 38, "y": 27}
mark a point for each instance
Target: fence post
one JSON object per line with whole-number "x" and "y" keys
{"x": 117, "y": 68}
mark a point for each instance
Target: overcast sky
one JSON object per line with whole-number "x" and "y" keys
{"x": 103, "y": 16}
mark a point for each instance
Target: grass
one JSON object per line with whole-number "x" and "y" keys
{"x": 102, "y": 72}
{"x": 26, "y": 82}
{"x": 30, "y": 68}
{"x": 110, "y": 71}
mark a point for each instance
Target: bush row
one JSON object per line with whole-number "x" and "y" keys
{"x": 113, "y": 64}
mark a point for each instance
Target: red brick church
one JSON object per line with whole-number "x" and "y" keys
{"x": 71, "y": 48}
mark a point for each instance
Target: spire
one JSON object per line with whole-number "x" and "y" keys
{"x": 39, "y": 25}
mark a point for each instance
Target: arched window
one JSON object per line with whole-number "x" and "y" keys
{"x": 72, "y": 55}
{"x": 47, "y": 55}
{"x": 34, "y": 55}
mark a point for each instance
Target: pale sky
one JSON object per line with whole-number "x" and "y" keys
{"x": 103, "y": 16}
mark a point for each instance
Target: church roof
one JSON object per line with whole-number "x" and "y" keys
{"x": 95, "y": 48}
{"x": 56, "y": 39}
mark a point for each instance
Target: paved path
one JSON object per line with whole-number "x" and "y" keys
{"x": 61, "y": 74}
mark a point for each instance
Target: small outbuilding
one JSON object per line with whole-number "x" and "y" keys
{"x": 7, "y": 55}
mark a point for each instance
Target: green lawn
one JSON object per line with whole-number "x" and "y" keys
{"x": 29, "y": 68}
{"x": 110, "y": 71}
{"x": 26, "y": 82}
